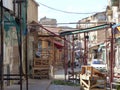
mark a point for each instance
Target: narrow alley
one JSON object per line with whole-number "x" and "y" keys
{"x": 45, "y": 84}
{"x": 47, "y": 45}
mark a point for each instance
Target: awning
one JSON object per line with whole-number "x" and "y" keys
{"x": 85, "y": 30}
{"x": 58, "y": 45}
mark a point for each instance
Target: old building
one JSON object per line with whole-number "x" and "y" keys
{"x": 12, "y": 38}
{"x": 32, "y": 11}
{"x": 47, "y": 50}
{"x": 95, "y": 38}
{"x": 113, "y": 15}
{"x": 48, "y": 22}
{"x": 92, "y": 21}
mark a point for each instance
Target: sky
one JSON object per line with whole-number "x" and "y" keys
{"x": 79, "y": 6}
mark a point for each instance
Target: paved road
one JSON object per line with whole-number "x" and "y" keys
{"x": 59, "y": 74}
{"x": 62, "y": 87}
{"x": 35, "y": 84}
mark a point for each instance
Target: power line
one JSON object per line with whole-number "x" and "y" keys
{"x": 84, "y": 22}
{"x": 65, "y": 11}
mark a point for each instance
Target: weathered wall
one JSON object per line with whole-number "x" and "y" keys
{"x": 32, "y": 11}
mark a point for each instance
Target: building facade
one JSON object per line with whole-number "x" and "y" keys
{"x": 32, "y": 11}
{"x": 11, "y": 37}
{"x": 48, "y": 22}
{"x": 92, "y": 21}
{"x": 113, "y": 15}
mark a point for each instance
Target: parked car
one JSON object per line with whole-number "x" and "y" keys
{"x": 99, "y": 64}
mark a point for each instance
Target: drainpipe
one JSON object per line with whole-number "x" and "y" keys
{"x": 2, "y": 48}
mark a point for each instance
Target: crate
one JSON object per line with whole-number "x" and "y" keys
{"x": 41, "y": 68}
{"x": 41, "y": 73}
{"x": 92, "y": 79}
{"x": 41, "y": 63}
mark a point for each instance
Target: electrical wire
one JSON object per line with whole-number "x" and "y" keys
{"x": 65, "y": 11}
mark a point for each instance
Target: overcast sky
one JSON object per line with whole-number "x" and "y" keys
{"x": 80, "y": 6}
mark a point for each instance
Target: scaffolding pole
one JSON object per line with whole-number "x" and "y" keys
{"x": 26, "y": 59}
{"x": 112, "y": 56}
{"x": 65, "y": 71}
{"x": 20, "y": 44}
{"x": 73, "y": 55}
{"x": 85, "y": 49}
{"x": 2, "y": 48}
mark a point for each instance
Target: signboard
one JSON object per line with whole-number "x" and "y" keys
{"x": 8, "y": 4}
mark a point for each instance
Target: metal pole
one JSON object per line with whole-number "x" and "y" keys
{"x": 73, "y": 56}
{"x": 26, "y": 59}
{"x": 87, "y": 38}
{"x": 14, "y": 7}
{"x": 65, "y": 58}
{"x": 111, "y": 57}
{"x": 2, "y": 48}
{"x": 85, "y": 49}
{"x": 55, "y": 34}
{"x": 20, "y": 46}
{"x": 26, "y": 63}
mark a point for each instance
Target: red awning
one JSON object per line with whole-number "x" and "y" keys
{"x": 58, "y": 45}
